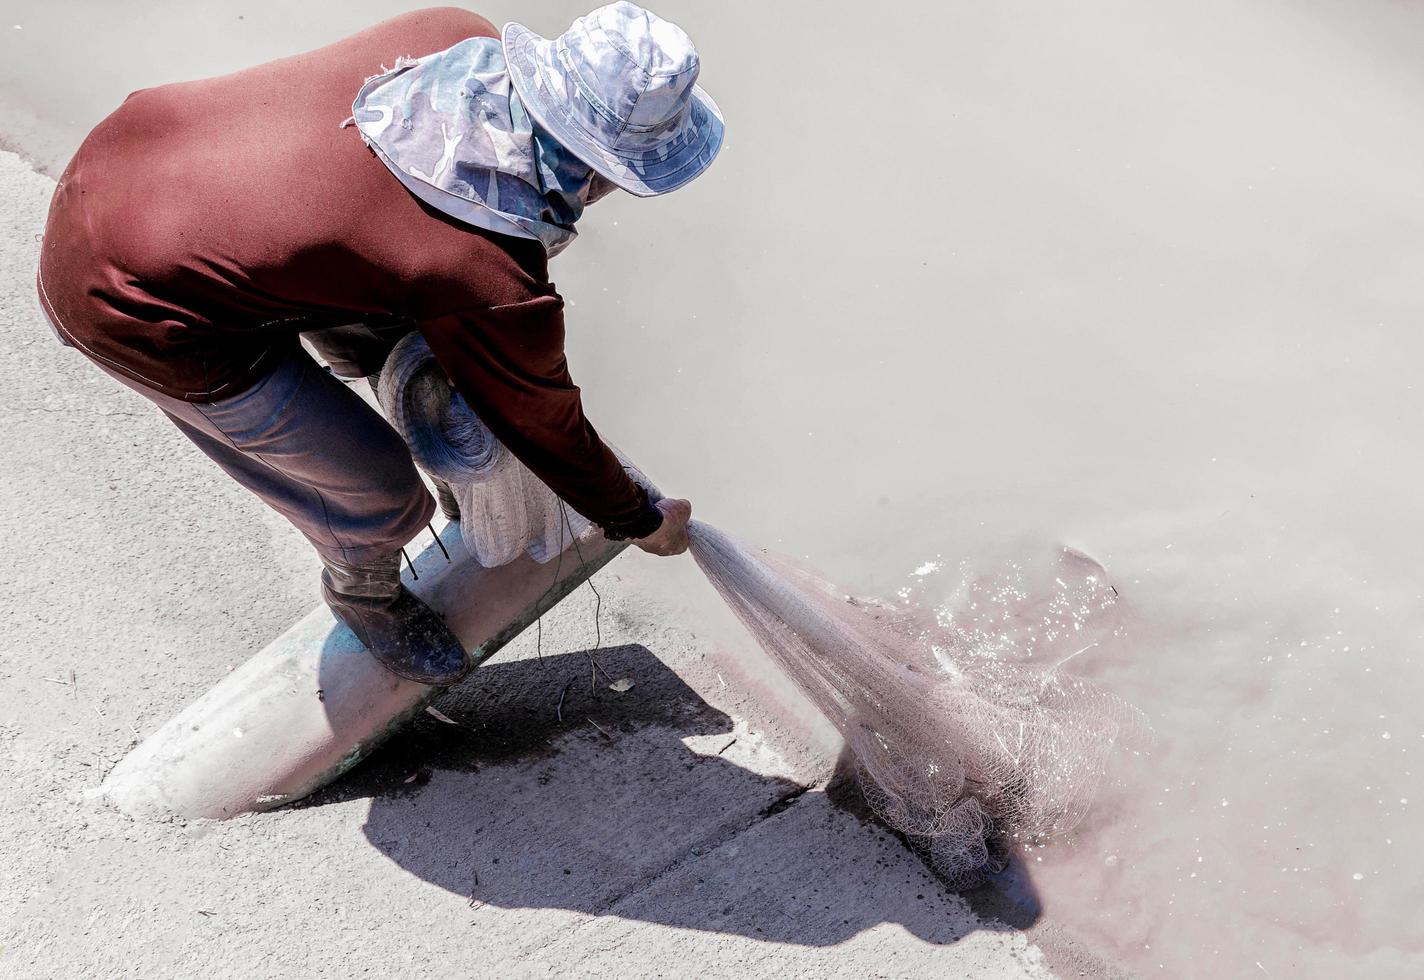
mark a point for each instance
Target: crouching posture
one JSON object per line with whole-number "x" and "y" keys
{"x": 204, "y": 227}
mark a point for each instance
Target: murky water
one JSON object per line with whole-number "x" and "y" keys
{"x": 972, "y": 280}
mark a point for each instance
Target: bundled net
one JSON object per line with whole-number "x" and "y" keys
{"x": 505, "y": 510}
{"x": 964, "y": 736}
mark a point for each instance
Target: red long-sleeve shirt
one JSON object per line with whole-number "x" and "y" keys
{"x": 204, "y": 224}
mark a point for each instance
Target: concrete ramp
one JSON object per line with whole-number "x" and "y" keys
{"x": 314, "y": 703}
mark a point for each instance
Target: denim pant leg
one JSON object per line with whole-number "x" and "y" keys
{"x": 314, "y": 452}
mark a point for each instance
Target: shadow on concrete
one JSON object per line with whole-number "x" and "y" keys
{"x": 1008, "y": 894}
{"x": 620, "y": 808}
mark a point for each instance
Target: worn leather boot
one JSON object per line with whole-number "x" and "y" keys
{"x": 401, "y": 632}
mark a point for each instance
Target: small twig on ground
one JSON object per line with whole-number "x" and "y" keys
{"x": 728, "y": 745}
{"x": 206, "y": 913}
{"x": 593, "y": 680}
{"x": 55, "y": 680}
{"x": 474, "y": 887}
{"x": 600, "y": 729}
{"x": 439, "y": 716}
{"x": 560, "y": 709}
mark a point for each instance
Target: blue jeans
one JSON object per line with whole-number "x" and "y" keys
{"x": 315, "y": 453}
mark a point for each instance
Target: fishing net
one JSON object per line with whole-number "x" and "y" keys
{"x": 961, "y": 743}
{"x": 505, "y": 510}
{"x": 967, "y": 731}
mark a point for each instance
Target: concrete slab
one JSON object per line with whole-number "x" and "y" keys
{"x": 831, "y": 897}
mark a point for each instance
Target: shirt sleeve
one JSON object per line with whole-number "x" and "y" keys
{"x": 508, "y": 363}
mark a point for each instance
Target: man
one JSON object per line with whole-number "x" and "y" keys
{"x": 204, "y": 226}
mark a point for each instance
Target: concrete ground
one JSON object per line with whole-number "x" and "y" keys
{"x": 672, "y": 830}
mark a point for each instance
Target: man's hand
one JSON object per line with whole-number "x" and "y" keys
{"x": 671, "y": 536}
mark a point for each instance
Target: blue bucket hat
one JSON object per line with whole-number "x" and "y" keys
{"x": 618, "y": 90}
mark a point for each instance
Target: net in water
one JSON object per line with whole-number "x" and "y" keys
{"x": 964, "y": 734}
{"x": 960, "y": 744}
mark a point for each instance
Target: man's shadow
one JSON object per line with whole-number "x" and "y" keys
{"x": 551, "y": 790}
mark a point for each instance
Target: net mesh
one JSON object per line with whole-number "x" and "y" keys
{"x": 967, "y": 731}
{"x": 962, "y": 741}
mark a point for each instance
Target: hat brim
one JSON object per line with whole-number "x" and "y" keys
{"x": 689, "y": 152}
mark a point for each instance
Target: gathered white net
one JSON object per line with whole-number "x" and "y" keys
{"x": 505, "y": 510}
{"x": 967, "y": 733}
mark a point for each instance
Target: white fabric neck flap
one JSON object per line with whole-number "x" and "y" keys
{"x": 452, "y": 128}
